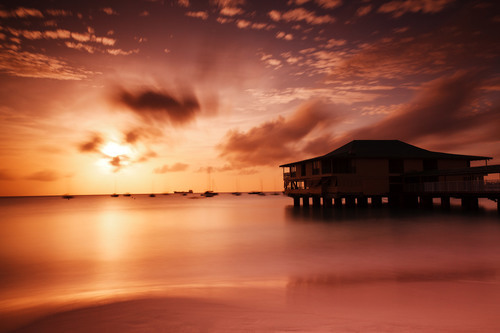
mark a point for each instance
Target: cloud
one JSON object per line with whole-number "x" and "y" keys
{"x": 276, "y": 140}
{"x": 466, "y": 41}
{"x": 284, "y": 35}
{"x": 36, "y": 65}
{"x": 229, "y": 7}
{"x": 109, "y": 11}
{"x": 199, "y": 14}
{"x": 364, "y": 10}
{"x": 177, "y": 167}
{"x": 398, "y": 8}
{"x": 44, "y": 176}
{"x": 92, "y": 145}
{"x": 6, "y": 174}
{"x": 329, "y": 4}
{"x": 300, "y": 14}
{"x": 152, "y": 105}
{"x": 21, "y": 12}
{"x": 441, "y": 113}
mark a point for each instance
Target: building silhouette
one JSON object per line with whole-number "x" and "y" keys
{"x": 365, "y": 171}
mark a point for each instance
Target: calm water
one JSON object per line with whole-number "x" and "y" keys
{"x": 336, "y": 270}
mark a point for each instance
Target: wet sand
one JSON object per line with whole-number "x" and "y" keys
{"x": 379, "y": 307}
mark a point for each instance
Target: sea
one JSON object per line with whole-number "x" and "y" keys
{"x": 248, "y": 263}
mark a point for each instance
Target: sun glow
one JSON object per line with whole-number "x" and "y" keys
{"x": 113, "y": 149}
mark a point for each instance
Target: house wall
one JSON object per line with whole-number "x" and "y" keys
{"x": 452, "y": 164}
{"x": 413, "y": 165}
{"x": 373, "y": 175}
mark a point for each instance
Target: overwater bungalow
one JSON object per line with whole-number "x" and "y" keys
{"x": 370, "y": 170}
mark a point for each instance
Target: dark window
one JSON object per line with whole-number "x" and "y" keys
{"x": 342, "y": 166}
{"x": 395, "y": 179}
{"x": 316, "y": 166}
{"x": 396, "y": 166}
{"x": 293, "y": 171}
{"x": 303, "y": 169}
{"x": 430, "y": 164}
{"x": 326, "y": 166}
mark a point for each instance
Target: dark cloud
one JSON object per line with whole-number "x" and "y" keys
{"x": 465, "y": 40}
{"x": 443, "y": 110}
{"x": 442, "y": 114}
{"x": 44, "y": 176}
{"x": 160, "y": 106}
{"x": 92, "y": 145}
{"x": 6, "y": 175}
{"x": 275, "y": 140}
{"x": 174, "y": 168}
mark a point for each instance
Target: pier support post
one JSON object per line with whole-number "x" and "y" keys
{"x": 445, "y": 202}
{"x": 337, "y": 202}
{"x": 296, "y": 201}
{"x": 411, "y": 200}
{"x": 394, "y": 200}
{"x": 470, "y": 203}
{"x": 350, "y": 201}
{"x": 377, "y": 201}
{"x": 316, "y": 201}
{"x": 362, "y": 201}
{"x": 327, "y": 202}
{"x": 426, "y": 201}
{"x": 305, "y": 201}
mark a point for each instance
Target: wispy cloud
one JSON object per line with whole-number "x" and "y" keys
{"x": 44, "y": 176}
{"x": 274, "y": 140}
{"x": 6, "y": 174}
{"x": 199, "y": 14}
{"x": 441, "y": 112}
{"x": 36, "y": 65}
{"x": 401, "y": 7}
{"x": 177, "y": 167}
{"x": 300, "y": 14}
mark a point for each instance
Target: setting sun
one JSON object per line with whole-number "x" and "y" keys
{"x": 113, "y": 149}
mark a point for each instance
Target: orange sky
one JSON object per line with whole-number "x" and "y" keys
{"x": 142, "y": 96}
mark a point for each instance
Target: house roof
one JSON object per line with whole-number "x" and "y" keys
{"x": 387, "y": 149}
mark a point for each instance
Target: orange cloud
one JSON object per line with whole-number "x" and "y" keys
{"x": 400, "y": 7}
{"x": 177, "y": 167}
{"x": 44, "y": 176}
{"x": 273, "y": 141}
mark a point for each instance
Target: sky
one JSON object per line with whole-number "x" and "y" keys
{"x": 147, "y": 96}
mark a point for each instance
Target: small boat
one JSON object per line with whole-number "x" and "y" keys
{"x": 114, "y": 195}
{"x": 67, "y": 196}
{"x": 209, "y": 194}
{"x": 236, "y": 193}
{"x": 183, "y": 192}
{"x": 152, "y": 195}
{"x": 126, "y": 195}
{"x": 257, "y": 193}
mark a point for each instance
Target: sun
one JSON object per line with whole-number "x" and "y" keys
{"x": 113, "y": 149}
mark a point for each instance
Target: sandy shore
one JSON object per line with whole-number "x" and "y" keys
{"x": 463, "y": 306}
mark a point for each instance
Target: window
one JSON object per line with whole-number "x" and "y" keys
{"x": 293, "y": 171}
{"x": 303, "y": 169}
{"x": 430, "y": 164}
{"x": 396, "y": 166}
{"x": 326, "y": 166}
{"x": 316, "y": 166}
{"x": 342, "y": 166}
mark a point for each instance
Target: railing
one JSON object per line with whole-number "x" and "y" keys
{"x": 470, "y": 186}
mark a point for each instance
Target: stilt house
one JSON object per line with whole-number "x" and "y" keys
{"x": 375, "y": 169}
